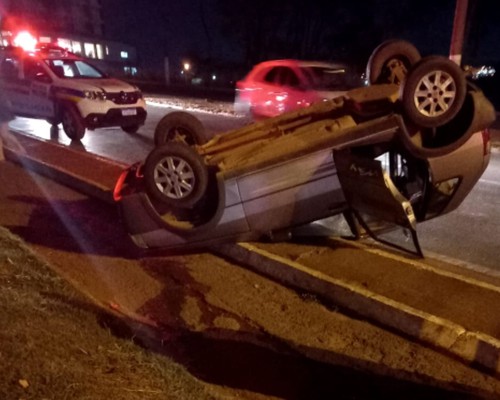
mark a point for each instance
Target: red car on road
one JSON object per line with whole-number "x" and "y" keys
{"x": 274, "y": 87}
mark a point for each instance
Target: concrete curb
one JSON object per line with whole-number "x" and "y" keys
{"x": 474, "y": 348}
{"x": 93, "y": 189}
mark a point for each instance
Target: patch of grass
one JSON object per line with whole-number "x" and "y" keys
{"x": 53, "y": 344}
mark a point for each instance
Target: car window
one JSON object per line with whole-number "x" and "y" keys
{"x": 282, "y": 76}
{"x": 32, "y": 69}
{"x": 288, "y": 77}
{"x": 74, "y": 69}
{"x": 324, "y": 78}
{"x": 272, "y": 75}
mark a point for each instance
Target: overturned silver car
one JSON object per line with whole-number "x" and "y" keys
{"x": 408, "y": 147}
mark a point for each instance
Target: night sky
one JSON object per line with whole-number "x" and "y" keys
{"x": 175, "y": 28}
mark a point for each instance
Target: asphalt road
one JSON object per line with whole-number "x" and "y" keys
{"x": 115, "y": 144}
{"x": 470, "y": 235}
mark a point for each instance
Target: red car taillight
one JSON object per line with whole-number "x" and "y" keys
{"x": 126, "y": 178}
{"x": 486, "y": 142}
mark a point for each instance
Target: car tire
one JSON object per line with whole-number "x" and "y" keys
{"x": 72, "y": 123}
{"x": 391, "y": 61}
{"x": 175, "y": 175}
{"x": 433, "y": 92}
{"x": 130, "y": 128}
{"x": 181, "y": 127}
{"x": 56, "y": 119}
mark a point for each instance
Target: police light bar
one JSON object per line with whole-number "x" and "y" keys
{"x": 25, "y": 40}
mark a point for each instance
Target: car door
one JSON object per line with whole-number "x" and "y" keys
{"x": 370, "y": 191}
{"x": 264, "y": 93}
{"x": 39, "y": 102}
{"x": 297, "y": 88}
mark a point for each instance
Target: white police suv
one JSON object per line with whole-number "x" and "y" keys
{"x": 53, "y": 84}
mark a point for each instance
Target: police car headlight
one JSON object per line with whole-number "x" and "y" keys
{"x": 94, "y": 95}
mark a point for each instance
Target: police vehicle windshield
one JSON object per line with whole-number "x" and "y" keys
{"x": 69, "y": 68}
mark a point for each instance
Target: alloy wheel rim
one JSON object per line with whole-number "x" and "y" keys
{"x": 174, "y": 177}
{"x": 435, "y": 93}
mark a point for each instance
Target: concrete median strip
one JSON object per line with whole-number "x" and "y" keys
{"x": 474, "y": 348}
{"x": 65, "y": 177}
{"x": 85, "y": 172}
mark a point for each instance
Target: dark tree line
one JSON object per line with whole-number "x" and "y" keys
{"x": 347, "y": 30}
{"x": 248, "y": 31}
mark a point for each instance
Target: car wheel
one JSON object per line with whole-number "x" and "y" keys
{"x": 130, "y": 128}
{"x": 175, "y": 175}
{"x": 390, "y": 62}
{"x": 72, "y": 123}
{"x": 433, "y": 92}
{"x": 179, "y": 126}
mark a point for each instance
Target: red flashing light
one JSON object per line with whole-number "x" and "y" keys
{"x": 25, "y": 40}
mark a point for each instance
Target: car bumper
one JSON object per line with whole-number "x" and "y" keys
{"x": 117, "y": 117}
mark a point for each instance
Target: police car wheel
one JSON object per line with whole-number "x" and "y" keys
{"x": 72, "y": 123}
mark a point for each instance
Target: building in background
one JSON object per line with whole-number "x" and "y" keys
{"x": 76, "y": 25}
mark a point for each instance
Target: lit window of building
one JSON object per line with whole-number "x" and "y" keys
{"x": 77, "y": 47}
{"x": 131, "y": 71}
{"x": 100, "y": 54}
{"x": 89, "y": 49}
{"x": 64, "y": 43}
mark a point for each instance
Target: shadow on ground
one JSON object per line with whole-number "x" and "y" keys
{"x": 243, "y": 357}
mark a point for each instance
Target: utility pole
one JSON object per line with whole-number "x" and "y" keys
{"x": 457, "y": 36}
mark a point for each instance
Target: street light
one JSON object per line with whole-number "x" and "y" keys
{"x": 186, "y": 67}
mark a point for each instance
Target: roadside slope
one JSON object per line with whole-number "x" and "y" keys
{"x": 56, "y": 344}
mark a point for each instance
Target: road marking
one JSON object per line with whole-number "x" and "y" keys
{"x": 426, "y": 267}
